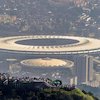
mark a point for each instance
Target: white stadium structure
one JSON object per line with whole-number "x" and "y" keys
{"x": 47, "y": 62}
{"x": 51, "y": 57}
{"x": 84, "y": 45}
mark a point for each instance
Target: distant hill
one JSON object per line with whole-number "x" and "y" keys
{"x": 54, "y": 17}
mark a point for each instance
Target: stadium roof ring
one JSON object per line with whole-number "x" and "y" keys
{"x": 47, "y": 62}
{"x": 83, "y": 45}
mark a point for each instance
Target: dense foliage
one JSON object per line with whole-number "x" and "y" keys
{"x": 7, "y": 93}
{"x": 12, "y": 88}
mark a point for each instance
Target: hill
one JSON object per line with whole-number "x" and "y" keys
{"x": 12, "y": 88}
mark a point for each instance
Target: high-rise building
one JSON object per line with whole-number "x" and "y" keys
{"x": 84, "y": 68}
{"x": 80, "y": 68}
{"x": 90, "y": 68}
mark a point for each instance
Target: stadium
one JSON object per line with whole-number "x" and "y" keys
{"x": 76, "y": 45}
{"x": 48, "y": 55}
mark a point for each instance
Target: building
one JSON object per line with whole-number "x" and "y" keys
{"x": 84, "y": 68}
{"x": 80, "y": 3}
{"x": 7, "y": 19}
{"x": 90, "y": 68}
